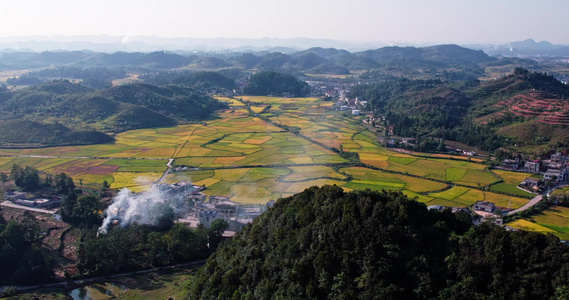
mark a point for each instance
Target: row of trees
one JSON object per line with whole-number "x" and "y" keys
{"x": 28, "y": 179}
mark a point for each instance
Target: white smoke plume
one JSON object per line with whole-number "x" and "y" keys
{"x": 144, "y": 208}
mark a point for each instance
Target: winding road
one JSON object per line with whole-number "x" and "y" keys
{"x": 535, "y": 200}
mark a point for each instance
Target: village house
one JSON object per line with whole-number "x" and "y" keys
{"x": 484, "y": 206}
{"x": 510, "y": 164}
{"x": 532, "y": 166}
{"x": 409, "y": 141}
{"x": 13, "y": 196}
{"x": 553, "y": 165}
{"x": 355, "y": 112}
{"x": 226, "y": 209}
{"x": 197, "y": 196}
{"x": 207, "y": 217}
{"x": 530, "y": 182}
{"x": 558, "y": 158}
{"x": 554, "y": 174}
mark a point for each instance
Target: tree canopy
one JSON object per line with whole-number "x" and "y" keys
{"x": 327, "y": 244}
{"x": 274, "y": 83}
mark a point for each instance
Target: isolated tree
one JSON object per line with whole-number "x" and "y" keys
{"x": 26, "y": 178}
{"x": 17, "y": 174}
{"x": 215, "y": 232}
{"x": 164, "y": 216}
{"x": 63, "y": 183}
{"x": 31, "y": 179}
{"x": 67, "y": 204}
{"x": 31, "y": 227}
{"x": 86, "y": 211}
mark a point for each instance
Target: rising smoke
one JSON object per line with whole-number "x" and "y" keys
{"x": 152, "y": 207}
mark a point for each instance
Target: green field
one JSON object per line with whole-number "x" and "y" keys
{"x": 242, "y": 156}
{"x": 554, "y": 220}
{"x": 463, "y": 196}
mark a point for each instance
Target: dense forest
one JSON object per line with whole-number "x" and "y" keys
{"x": 273, "y": 83}
{"x": 327, "y": 244}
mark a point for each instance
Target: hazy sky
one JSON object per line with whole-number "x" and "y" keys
{"x": 396, "y": 21}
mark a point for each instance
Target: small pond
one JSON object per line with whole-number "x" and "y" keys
{"x": 97, "y": 291}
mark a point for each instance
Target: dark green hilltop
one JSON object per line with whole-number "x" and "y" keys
{"x": 324, "y": 243}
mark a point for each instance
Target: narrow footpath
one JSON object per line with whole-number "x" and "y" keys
{"x": 169, "y": 165}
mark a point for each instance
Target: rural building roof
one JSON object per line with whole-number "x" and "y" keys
{"x": 553, "y": 172}
{"x": 531, "y": 180}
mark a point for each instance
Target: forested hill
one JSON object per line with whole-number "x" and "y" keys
{"x": 481, "y": 114}
{"x": 327, "y": 244}
{"x": 109, "y": 110}
{"x": 273, "y": 83}
{"x": 22, "y": 133}
{"x": 442, "y": 54}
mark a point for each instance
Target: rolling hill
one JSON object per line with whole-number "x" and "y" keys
{"x": 22, "y": 133}
{"x": 481, "y": 114}
{"x": 109, "y": 110}
{"x": 314, "y": 60}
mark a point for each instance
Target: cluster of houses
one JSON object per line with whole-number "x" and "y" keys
{"x": 356, "y": 106}
{"x": 43, "y": 202}
{"x": 555, "y": 169}
{"x": 332, "y": 90}
{"x": 204, "y": 209}
{"x": 192, "y": 205}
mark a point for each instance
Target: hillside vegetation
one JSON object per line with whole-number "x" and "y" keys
{"x": 21, "y": 133}
{"x": 443, "y": 61}
{"x": 481, "y": 114}
{"x": 112, "y": 109}
{"x": 109, "y": 110}
{"x": 273, "y": 83}
{"x": 202, "y": 81}
{"x": 327, "y": 244}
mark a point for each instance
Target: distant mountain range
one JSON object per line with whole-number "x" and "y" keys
{"x": 525, "y": 48}
{"x": 317, "y": 60}
{"x": 106, "y": 43}
{"x": 109, "y": 44}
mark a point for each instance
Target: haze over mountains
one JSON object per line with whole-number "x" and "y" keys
{"x": 108, "y": 44}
